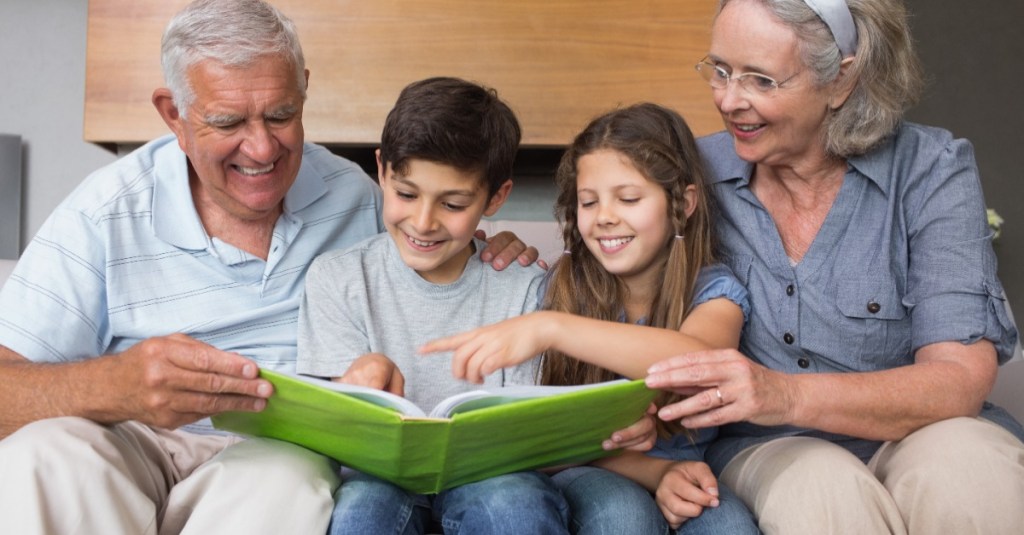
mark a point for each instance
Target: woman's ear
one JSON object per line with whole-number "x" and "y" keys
{"x": 842, "y": 85}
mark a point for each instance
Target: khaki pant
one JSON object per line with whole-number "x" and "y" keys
{"x": 71, "y": 475}
{"x": 958, "y": 476}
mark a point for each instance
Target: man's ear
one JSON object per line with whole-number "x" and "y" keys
{"x": 164, "y": 104}
{"x": 498, "y": 199}
{"x": 689, "y": 200}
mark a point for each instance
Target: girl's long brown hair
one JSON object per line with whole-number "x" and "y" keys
{"x": 659, "y": 144}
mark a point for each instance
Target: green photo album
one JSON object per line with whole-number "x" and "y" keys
{"x": 467, "y": 438}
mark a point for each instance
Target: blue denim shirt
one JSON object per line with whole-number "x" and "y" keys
{"x": 903, "y": 260}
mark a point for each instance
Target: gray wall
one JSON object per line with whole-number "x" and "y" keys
{"x": 42, "y": 90}
{"x": 972, "y": 52}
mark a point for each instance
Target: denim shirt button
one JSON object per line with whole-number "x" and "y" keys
{"x": 803, "y": 363}
{"x": 874, "y": 307}
{"x": 790, "y": 290}
{"x": 788, "y": 338}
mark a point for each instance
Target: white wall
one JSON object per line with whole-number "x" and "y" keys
{"x": 42, "y": 91}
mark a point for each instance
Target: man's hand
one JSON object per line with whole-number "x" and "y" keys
{"x": 375, "y": 370}
{"x": 175, "y": 380}
{"x": 504, "y": 247}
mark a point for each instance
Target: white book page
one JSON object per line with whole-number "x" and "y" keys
{"x": 478, "y": 399}
{"x": 372, "y": 395}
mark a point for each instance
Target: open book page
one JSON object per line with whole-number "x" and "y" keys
{"x": 459, "y": 403}
{"x": 479, "y": 399}
{"x": 365, "y": 393}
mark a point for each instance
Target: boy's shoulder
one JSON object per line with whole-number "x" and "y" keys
{"x": 368, "y": 251}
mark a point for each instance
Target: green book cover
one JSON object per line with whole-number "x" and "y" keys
{"x": 487, "y": 433}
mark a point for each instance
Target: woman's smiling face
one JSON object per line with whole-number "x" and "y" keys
{"x": 782, "y": 128}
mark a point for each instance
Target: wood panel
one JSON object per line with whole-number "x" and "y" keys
{"x": 558, "y": 63}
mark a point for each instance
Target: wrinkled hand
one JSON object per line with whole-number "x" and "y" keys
{"x": 375, "y": 370}
{"x": 483, "y": 351}
{"x": 639, "y": 436}
{"x": 686, "y": 488}
{"x": 723, "y": 386}
{"x": 504, "y": 247}
{"x": 175, "y": 380}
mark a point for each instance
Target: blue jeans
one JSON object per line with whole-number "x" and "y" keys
{"x": 522, "y": 502}
{"x": 603, "y": 502}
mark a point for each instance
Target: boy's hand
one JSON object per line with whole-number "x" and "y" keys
{"x": 639, "y": 436}
{"x": 504, "y": 247}
{"x": 686, "y": 488}
{"x": 375, "y": 370}
{"x": 485, "y": 350}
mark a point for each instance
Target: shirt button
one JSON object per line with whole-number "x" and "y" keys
{"x": 803, "y": 363}
{"x": 790, "y": 290}
{"x": 788, "y": 338}
{"x": 874, "y": 307}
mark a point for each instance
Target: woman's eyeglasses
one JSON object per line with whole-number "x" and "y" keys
{"x": 751, "y": 82}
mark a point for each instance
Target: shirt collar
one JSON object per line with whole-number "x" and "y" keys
{"x": 875, "y": 166}
{"x": 175, "y": 219}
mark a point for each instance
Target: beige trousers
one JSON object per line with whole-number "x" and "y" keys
{"x": 71, "y": 475}
{"x": 960, "y": 476}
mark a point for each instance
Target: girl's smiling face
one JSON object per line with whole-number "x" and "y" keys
{"x": 622, "y": 217}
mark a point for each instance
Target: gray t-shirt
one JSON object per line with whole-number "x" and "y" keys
{"x": 364, "y": 299}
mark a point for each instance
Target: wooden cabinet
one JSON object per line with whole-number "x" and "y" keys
{"x": 557, "y": 62}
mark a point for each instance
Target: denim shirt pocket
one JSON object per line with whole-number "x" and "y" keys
{"x": 875, "y": 323}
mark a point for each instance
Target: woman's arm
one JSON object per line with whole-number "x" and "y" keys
{"x": 947, "y": 379}
{"x": 623, "y": 348}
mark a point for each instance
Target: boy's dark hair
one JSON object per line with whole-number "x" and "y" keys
{"x": 452, "y": 122}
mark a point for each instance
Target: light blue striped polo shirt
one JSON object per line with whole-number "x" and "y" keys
{"x": 125, "y": 258}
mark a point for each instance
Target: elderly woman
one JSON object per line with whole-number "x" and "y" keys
{"x": 856, "y": 403}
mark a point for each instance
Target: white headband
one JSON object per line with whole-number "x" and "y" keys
{"x": 836, "y": 15}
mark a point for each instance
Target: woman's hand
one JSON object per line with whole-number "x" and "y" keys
{"x": 375, "y": 370}
{"x": 686, "y": 488}
{"x": 483, "y": 351}
{"x": 723, "y": 386}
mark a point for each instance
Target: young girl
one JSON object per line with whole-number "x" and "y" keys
{"x": 636, "y": 284}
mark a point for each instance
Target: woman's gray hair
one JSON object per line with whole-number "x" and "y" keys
{"x": 886, "y": 71}
{"x": 234, "y": 33}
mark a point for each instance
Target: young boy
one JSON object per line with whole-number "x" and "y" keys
{"x": 444, "y": 162}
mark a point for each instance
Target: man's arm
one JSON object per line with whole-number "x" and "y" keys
{"x": 505, "y": 247}
{"x": 163, "y": 382}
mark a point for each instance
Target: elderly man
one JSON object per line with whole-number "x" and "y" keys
{"x": 153, "y": 294}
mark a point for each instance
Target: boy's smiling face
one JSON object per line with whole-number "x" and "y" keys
{"x": 431, "y": 212}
